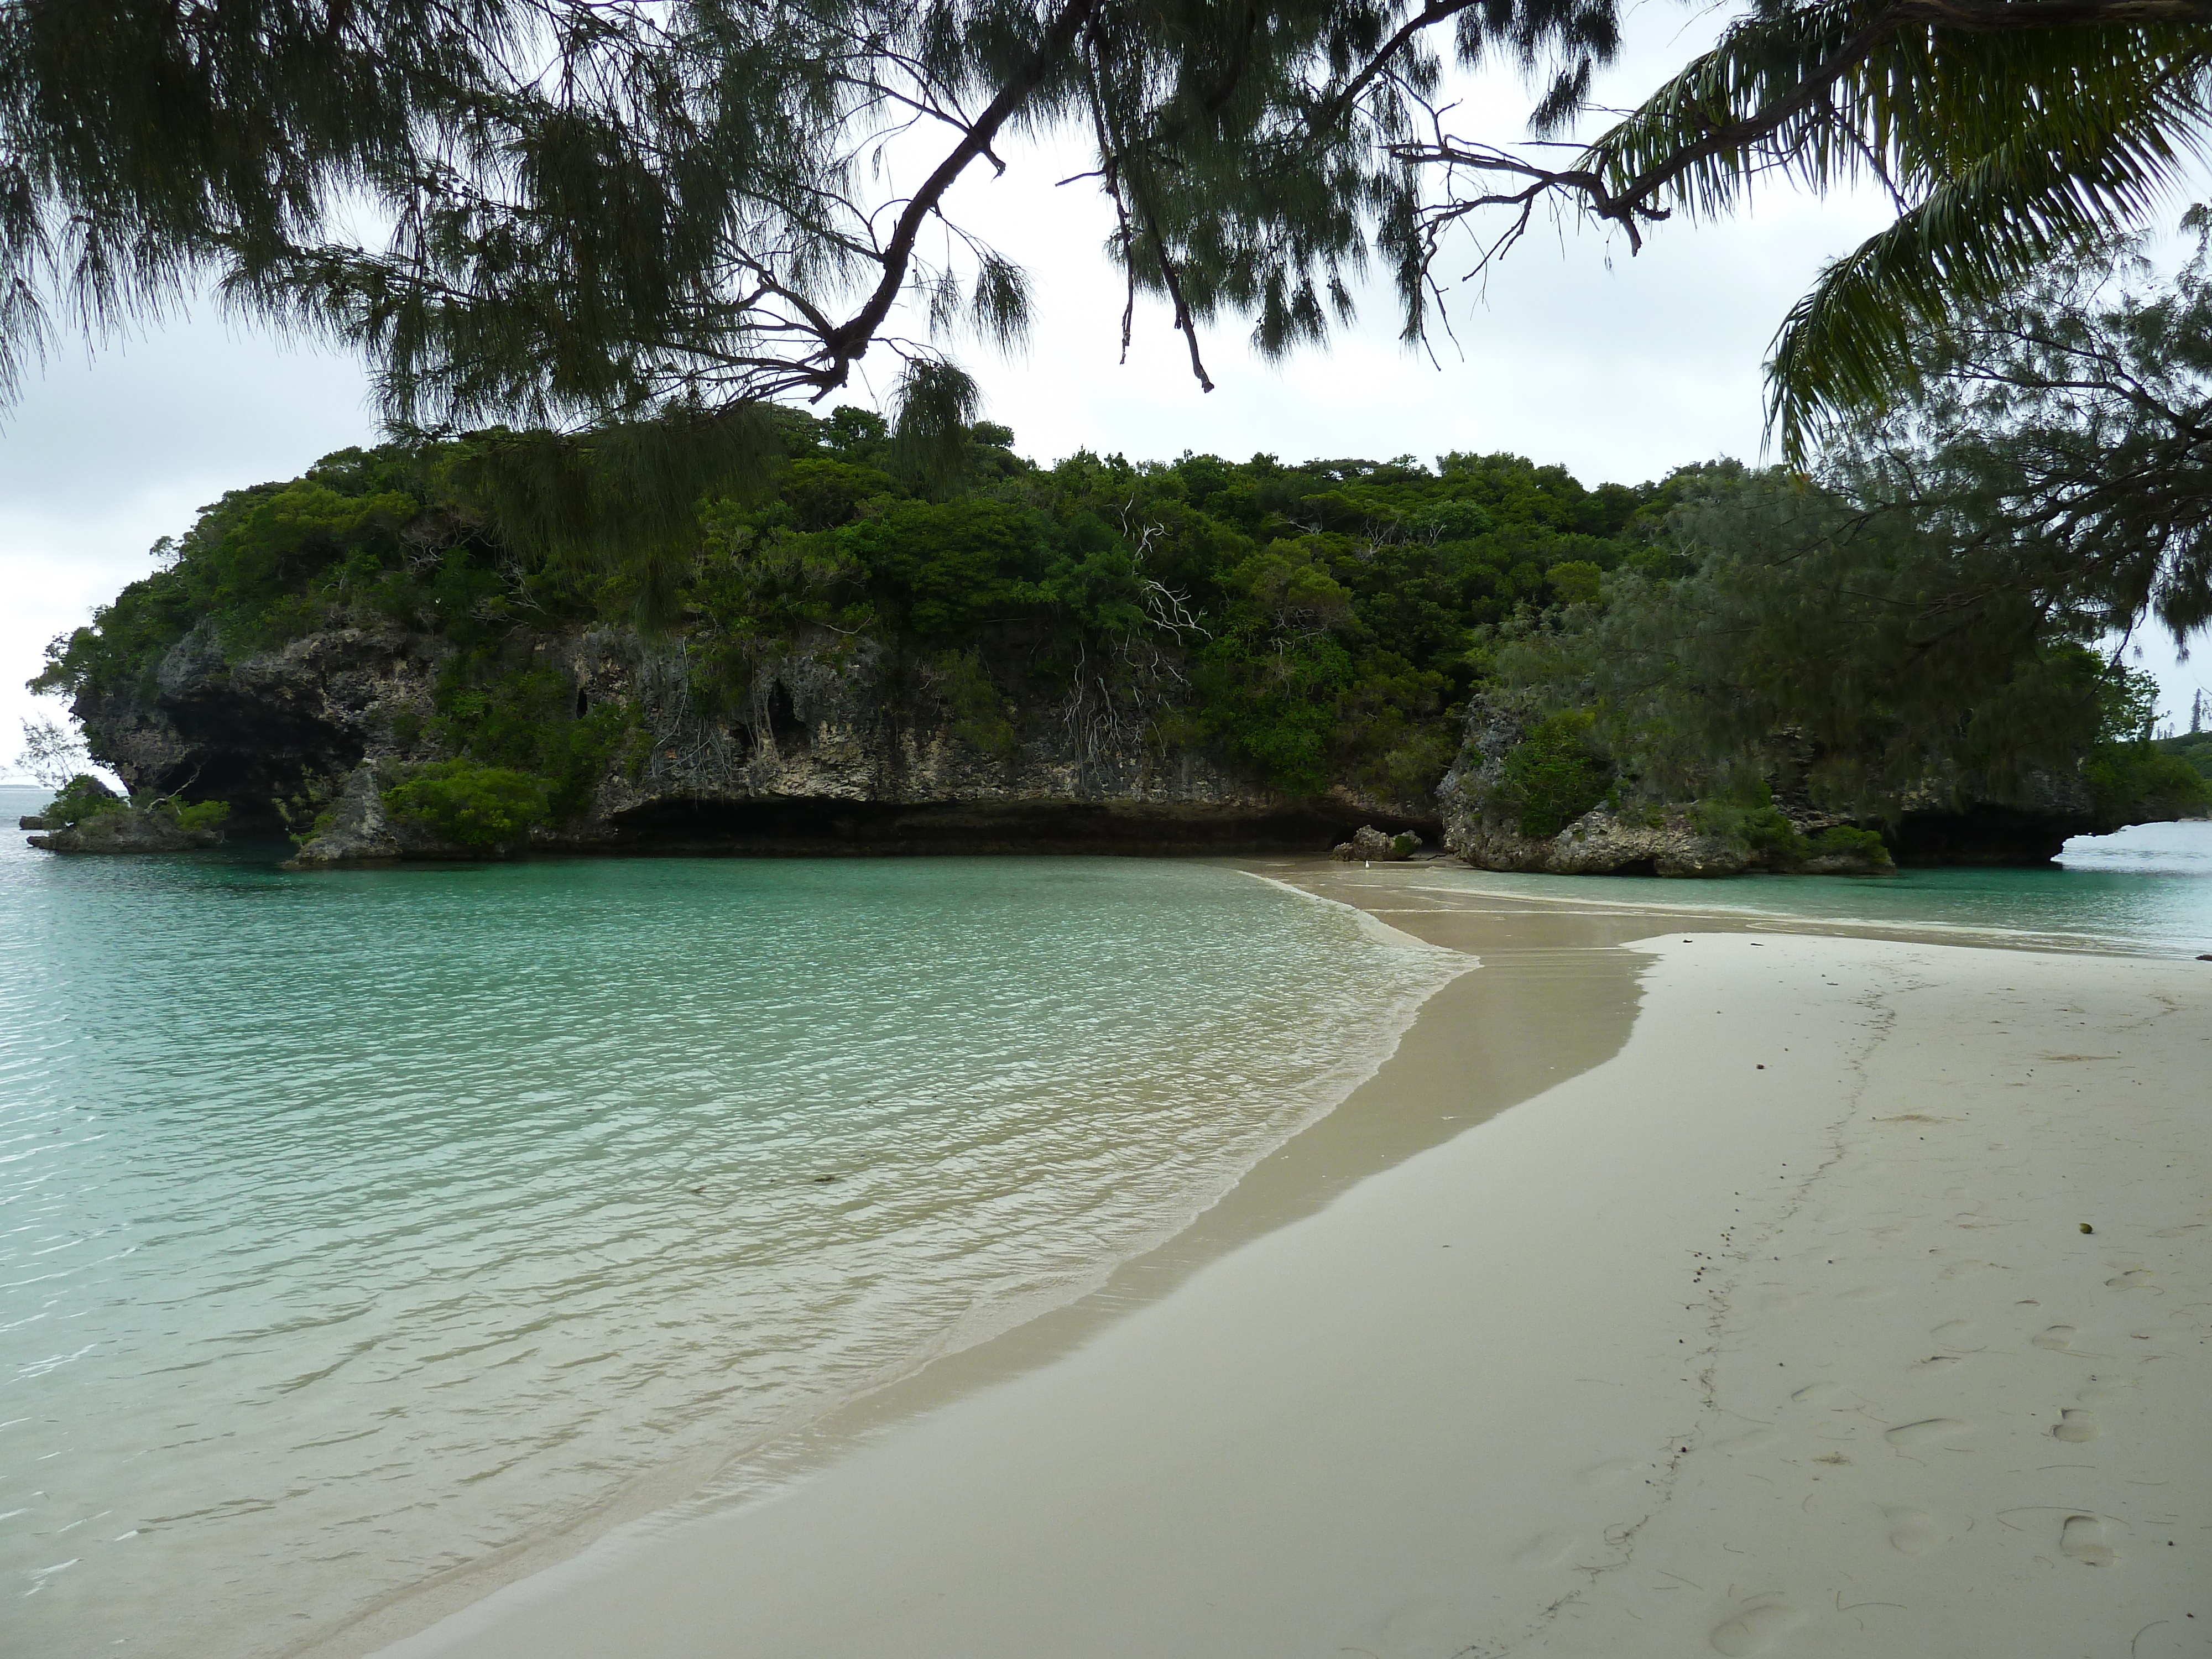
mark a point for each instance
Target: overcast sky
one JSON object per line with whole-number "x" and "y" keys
{"x": 1569, "y": 352}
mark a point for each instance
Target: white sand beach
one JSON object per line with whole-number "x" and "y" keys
{"x": 1859, "y": 1304}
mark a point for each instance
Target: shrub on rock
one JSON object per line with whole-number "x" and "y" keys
{"x": 470, "y": 804}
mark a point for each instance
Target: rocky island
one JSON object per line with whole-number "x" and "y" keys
{"x": 386, "y": 660}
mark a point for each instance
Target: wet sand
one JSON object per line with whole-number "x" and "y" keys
{"x": 1679, "y": 1285}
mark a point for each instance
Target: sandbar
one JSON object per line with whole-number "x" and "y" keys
{"x": 1678, "y": 1286}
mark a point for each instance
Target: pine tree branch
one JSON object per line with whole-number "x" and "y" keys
{"x": 846, "y": 343}
{"x": 1335, "y": 104}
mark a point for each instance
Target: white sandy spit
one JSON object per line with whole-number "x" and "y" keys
{"x": 1681, "y": 1357}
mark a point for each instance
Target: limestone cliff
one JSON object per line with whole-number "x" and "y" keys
{"x": 837, "y": 744}
{"x": 1947, "y": 822}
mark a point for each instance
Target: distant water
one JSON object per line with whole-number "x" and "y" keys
{"x": 356, "y": 1226}
{"x": 2148, "y": 889}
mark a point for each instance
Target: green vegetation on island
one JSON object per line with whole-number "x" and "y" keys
{"x": 2193, "y": 749}
{"x": 1800, "y": 633}
{"x": 1706, "y": 641}
{"x": 1319, "y": 623}
{"x": 660, "y": 230}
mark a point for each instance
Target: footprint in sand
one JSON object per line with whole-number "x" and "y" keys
{"x": 1755, "y": 1629}
{"x": 2083, "y": 1538}
{"x": 1928, "y": 1432}
{"x": 1546, "y": 1549}
{"x": 2074, "y": 1425}
{"x": 1913, "y": 1532}
{"x": 2136, "y": 1279}
{"x": 2059, "y": 1339}
{"x": 1963, "y": 1269}
{"x": 1956, "y": 1332}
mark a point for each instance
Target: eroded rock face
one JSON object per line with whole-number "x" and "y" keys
{"x": 835, "y": 743}
{"x": 1599, "y": 844}
{"x": 842, "y": 723}
{"x": 1650, "y": 840}
{"x": 1369, "y": 845}
{"x": 1646, "y": 839}
{"x": 254, "y": 732}
{"x": 360, "y": 831}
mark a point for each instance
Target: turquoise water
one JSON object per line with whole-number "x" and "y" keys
{"x": 2148, "y": 889}
{"x": 355, "y": 1227}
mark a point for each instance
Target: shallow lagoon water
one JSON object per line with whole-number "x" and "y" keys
{"x": 2148, "y": 889}
{"x": 355, "y": 1227}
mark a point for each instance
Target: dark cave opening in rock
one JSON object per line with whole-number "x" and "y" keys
{"x": 1984, "y": 834}
{"x": 252, "y": 757}
{"x": 784, "y": 726}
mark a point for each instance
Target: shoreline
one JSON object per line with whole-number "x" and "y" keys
{"x": 1366, "y": 1129}
{"x": 874, "y": 1525}
{"x": 1276, "y": 1188}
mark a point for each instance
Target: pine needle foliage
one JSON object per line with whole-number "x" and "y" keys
{"x": 2068, "y": 421}
{"x": 1870, "y": 656}
{"x": 144, "y": 143}
{"x": 646, "y": 215}
{"x": 548, "y": 213}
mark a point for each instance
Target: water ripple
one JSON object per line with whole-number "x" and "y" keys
{"x": 354, "y": 1227}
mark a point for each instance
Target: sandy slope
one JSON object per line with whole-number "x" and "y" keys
{"x": 1681, "y": 1356}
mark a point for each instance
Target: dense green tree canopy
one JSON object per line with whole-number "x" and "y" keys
{"x": 1865, "y": 646}
{"x": 1318, "y": 623}
{"x": 1711, "y": 638}
{"x": 2070, "y": 424}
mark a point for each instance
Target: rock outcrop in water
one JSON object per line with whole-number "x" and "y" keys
{"x": 1648, "y": 837}
{"x": 117, "y": 825}
{"x": 478, "y": 646}
{"x": 126, "y": 832}
{"x": 1369, "y": 845}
